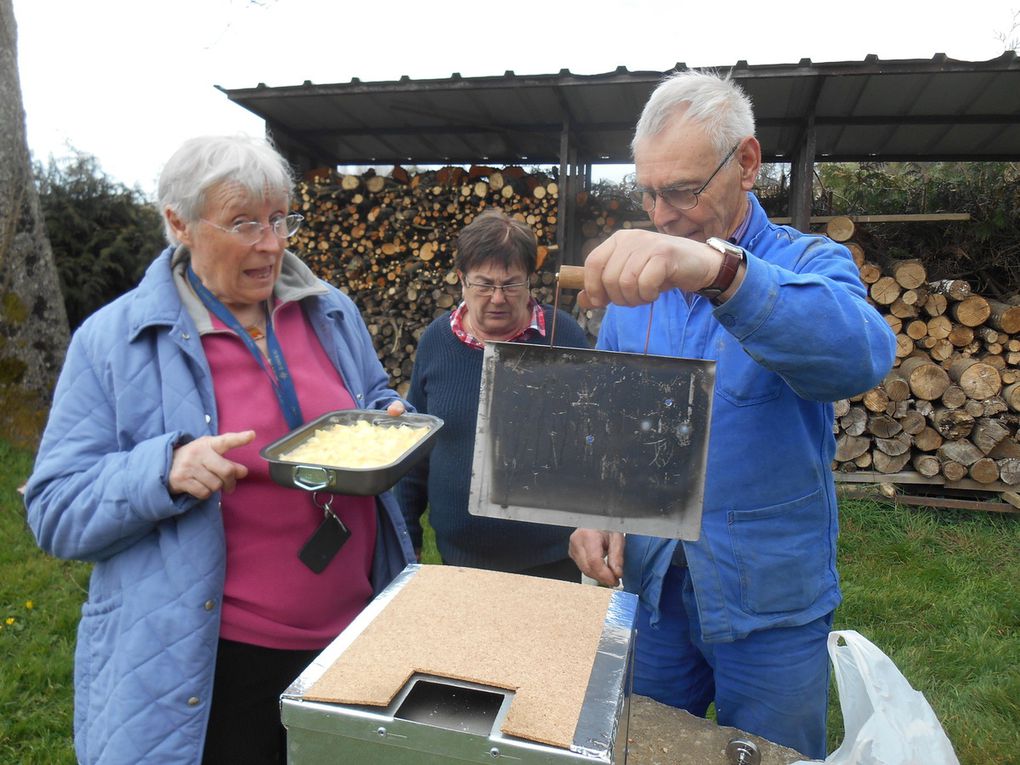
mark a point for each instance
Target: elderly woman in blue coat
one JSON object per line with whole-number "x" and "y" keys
{"x": 200, "y": 608}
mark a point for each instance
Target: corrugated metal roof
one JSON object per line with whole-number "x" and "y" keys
{"x": 895, "y": 110}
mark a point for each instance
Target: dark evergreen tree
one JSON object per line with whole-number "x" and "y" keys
{"x": 103, "y": 234}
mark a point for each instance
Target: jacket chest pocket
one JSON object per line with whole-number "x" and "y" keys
{"x": 740, "y": 379}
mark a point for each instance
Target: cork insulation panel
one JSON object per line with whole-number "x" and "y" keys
{"x": 537, "y": 637}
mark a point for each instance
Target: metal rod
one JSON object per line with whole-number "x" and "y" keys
{"x": 648, "y": 333}
{"x": 556, "y": 309}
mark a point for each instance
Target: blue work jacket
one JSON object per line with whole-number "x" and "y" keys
{"x": 797, "y": 335}
{"x": 134, "y": 384}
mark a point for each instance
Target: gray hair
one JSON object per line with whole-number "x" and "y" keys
{"x": 716, "y": 103}
{"x": 200, "y": 164}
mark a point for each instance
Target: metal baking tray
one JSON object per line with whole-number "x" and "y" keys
{"x": 346, "y": 480}
{"x": 593, "y": 439}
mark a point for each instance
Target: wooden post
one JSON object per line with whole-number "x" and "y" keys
{"x": 567, "y": 192}
{"x": 802, "y": 171}
{"x": 801, "y": 177}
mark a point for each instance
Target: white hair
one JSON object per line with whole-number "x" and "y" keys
{"x": 200, "y": 164}
{"x": 716, "y": 103}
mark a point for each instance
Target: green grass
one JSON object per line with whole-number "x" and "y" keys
{"x": 939, "y": 592}
{"x": 935, "y": 590}
{"x": 40, "y": 598}
{"x": 429, "y": 553}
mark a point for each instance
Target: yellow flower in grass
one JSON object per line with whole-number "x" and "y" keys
{"x": 9, "y": 621}
{"x": 29, "y": 605}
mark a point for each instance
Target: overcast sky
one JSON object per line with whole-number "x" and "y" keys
{"x": 128, "y": 80}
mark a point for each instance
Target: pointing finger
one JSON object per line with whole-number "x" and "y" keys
{"x": 224, "y": 442}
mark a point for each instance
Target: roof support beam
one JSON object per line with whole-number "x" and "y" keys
{"x": 802, "y": 171}
{"x": 565, "y": 211}
{"x": 801, "y": 179}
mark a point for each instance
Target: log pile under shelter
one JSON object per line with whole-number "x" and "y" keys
{"x": 948, "y": 410}
{"x": 388, "y": 242}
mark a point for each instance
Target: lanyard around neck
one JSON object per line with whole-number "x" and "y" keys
{"x": 279, "y": 377}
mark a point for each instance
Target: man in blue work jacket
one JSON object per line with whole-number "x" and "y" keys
{"x": 740, "y": 616}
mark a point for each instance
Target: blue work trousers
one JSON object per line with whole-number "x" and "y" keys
{"x": 773, "y": 683}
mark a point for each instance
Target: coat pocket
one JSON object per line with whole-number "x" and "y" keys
{"x": 94, "y": 673}
{"x": 782, "y": 553}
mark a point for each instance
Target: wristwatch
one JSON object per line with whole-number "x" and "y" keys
{"x": 733, "y": 256}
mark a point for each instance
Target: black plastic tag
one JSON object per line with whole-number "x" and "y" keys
{"x": 324, "y": 544}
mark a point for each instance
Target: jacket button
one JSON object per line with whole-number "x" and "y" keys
{"x": 186, "y": 335}
{"x": 210, "y": 605}
{"x": 208, "y": 419}
{"x": 193, "y": 701}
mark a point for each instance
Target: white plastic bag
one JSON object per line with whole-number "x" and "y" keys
{"x": 886, "y": 722}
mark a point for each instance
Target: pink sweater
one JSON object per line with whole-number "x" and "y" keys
{"x": 270, "y": 597}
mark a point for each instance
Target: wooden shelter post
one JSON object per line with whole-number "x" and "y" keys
{"x": 567, "y": 193}
{"x": 802, "y": 178}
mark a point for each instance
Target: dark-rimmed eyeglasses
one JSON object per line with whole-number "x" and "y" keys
{"x": 486, "y": 290}
{"x": 678, "y": 198}
{"x": 251, "y": 231}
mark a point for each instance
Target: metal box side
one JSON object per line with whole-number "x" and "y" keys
{"x": 319, "y": 732}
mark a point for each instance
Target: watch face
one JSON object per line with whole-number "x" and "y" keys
{"x": 723, "y": 246}
{"x": 732, "y": 257}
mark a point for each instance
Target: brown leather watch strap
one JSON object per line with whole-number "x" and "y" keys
{"x": 727, "y": 272}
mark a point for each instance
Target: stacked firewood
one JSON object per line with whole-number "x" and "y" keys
{"x": 388, "y": 242}
{"x": 949, "y": 408}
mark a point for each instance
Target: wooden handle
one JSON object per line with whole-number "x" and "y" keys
{"x": 571, "y": 277}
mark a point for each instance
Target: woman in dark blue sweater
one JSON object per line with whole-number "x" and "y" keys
{"x": 496, "y": 256}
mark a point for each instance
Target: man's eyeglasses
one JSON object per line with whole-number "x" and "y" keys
{"x": 509, "y": 290}
{"x": 677, "y": 198}
{"x": 251, "y": 231}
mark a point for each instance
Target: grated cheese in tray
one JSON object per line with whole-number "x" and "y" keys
{"x": 358, "y": 445}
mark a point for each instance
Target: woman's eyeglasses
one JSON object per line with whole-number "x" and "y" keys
{"x": 252, "y": 231}
{"x": 486, "y": 290}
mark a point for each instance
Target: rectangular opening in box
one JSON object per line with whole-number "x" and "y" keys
{"x": 452, "y": 707}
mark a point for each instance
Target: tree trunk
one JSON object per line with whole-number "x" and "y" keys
{"x": 972, "y": 311}
{"x": 953, "y": 424}
{"x": 928, "y": 440}
{"x": 987, "y": 434}
{"x": 984, "y": 470}
{"x": 978, "y": 380}
{"x": 33, "y": 324}
{"x": 925, "y": 464}
{"x": 927, "y": 381}
{"x": 961, "y": 451}
{"x": 1009, "y": 471}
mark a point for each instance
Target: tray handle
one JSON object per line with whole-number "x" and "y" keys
{"x": 310, "y": 477}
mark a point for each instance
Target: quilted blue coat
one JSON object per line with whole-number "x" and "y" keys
{"x": 135, "y": 383}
